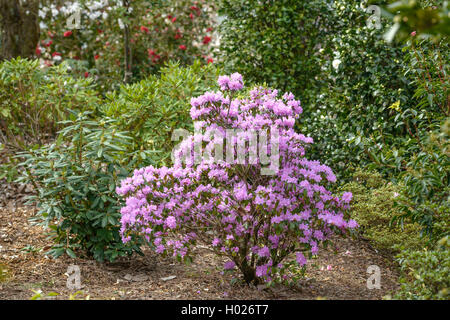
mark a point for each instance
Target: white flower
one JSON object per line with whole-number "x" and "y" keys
{"x": 121, "y": 25}
{"x": 42, "y": 13}
{"x": 336, "y": 63}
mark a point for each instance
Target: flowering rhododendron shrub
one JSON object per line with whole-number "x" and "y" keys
{"x": 256, "y": 211}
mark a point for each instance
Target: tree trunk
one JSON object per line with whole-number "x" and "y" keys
{"x": 19, "y": 28}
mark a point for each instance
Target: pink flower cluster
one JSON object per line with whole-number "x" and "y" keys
{"x": 255, "y": 220}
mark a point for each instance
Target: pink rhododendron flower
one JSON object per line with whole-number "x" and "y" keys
{"x": 253, "y": 218}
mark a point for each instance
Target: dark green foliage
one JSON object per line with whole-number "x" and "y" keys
{"x": 76, "y": 179}
{"x": 275, "y": 41}
{"x": 350, "y": 119}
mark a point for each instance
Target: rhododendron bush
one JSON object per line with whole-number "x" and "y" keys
{"x": 256, "y": 209}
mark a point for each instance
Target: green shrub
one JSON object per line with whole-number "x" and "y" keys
{"x": 34, "y": 99}
{"x": 425, "y": 274}
{"x": 424, "y": 152}
{"x": 275, "y": 42}
{"x": 344, "y": 72}
{"x": 153, "y": 108}
{"x": 373, "y": 207}
{"x": 76, "y": 180}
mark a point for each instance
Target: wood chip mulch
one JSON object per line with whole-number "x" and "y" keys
{"x": 24, "y": 267}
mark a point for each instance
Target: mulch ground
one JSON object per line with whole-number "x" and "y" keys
{"x": 24, "y": 267}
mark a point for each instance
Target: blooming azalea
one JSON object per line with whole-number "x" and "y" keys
{"x": 247, "y": 216}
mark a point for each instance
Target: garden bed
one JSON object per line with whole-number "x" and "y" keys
{"x": 22, "y": 248}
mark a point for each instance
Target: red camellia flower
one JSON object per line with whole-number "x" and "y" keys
{"x": 56, "y": 54}
{"x": 97, "y": 56}
{"x": 191, "y": 16}
{"x": 144, "y": 29}
{"x": 48, "y": 44}
{"x": 210, "y": 60}
{"x": 86, "y": 74}
{"x": 156, "y": 57}
{"x": 38, "y": 51}
{"x": 182, "y": 47}
{"x": 209, "y": 29}
{"x": 194, "y": 8}
{"x": 206, "y": 40}
{"x": 174, "y": 19}
{"x": 178, "y": 36}
{"x": 67, "y": 33}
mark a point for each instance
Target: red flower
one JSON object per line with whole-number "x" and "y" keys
{"x": 50, "y": 34}
{"x": 209, "y": 29}
{"x": 56, "y": 54}
{"x": 97, "y": 56}
{"x": 100, "y": 31}
{"x": 38, "y": 51}
{"x": 156, "y": 57}
{"x": 144, "y": 29}
{"x": 210, "y": 60}
{"x": 191, "y": 16}
{"x": 413, "y": 33}
{"x": 195, "y": 8}
{"x": 206, "y": 40}
{"x": 174, "y": 19}
{"x": 67, "y": 34}
{"x": 150, "y": 52}
{"x": 86, "y": 74}
{"x": 178, "y": 36}
{"x": 48, "y": 44}
{"x": 169, "y": 16}
{"x": 182, "y": 47}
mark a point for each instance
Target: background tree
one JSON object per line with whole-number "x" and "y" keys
{"x": 19, "y": 28}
